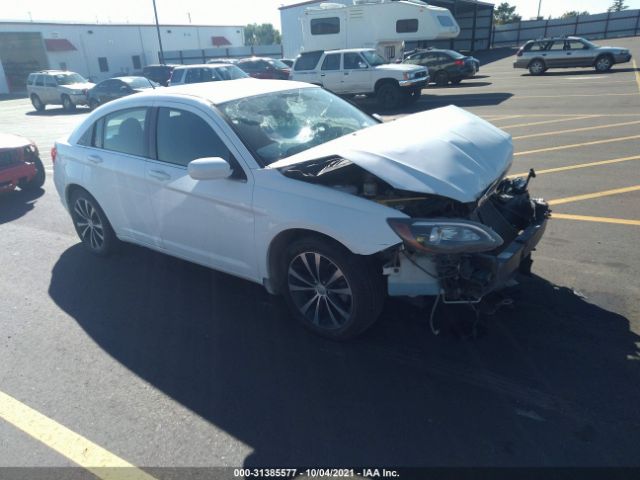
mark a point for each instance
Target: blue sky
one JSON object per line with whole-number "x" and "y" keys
{"x": 222, "y": 12}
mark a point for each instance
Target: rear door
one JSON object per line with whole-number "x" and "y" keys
{"x": 210, "y": 222}
{"x": 330, "y": 74}
{"x": 556, "y": 54}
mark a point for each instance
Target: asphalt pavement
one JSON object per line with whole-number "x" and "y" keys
{"x": 162, "y": 363}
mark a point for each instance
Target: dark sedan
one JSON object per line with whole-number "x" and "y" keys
{"x": 257, "y": 67}
{"x": 113, "y": 88}
{"x": 445, "y": 65}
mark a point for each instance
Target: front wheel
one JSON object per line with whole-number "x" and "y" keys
{"x": 67, "y": 104}
{"x": 604, "y": 64}
{"x": 38, "y": 179}
{"x": 91, "y": 224}
{"x": 333, "y": 292}
{"x": 389, "y": 96}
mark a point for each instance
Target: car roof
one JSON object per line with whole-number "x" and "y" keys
{"x": 221, "y": 92}
{"x": 203, "y": 65}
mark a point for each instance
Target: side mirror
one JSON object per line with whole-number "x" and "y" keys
{"x": 209, "y": 168}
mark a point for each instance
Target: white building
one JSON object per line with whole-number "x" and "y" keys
{"x": 98, "y": 51}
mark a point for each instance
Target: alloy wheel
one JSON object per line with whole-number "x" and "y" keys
{"x": 88, "y": 224}
{"x": 320, "y": 290}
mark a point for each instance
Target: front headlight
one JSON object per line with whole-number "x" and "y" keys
{"x": 445, "y": 235}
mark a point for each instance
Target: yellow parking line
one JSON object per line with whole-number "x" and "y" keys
{"x": 584, "y": 218}
{"x": 576, "y": 145}
{"x": 495, "y": 118}
{"x": 577, "y": 166}
{"x": 102, "y": 463}
{"x": 543, "y": 122}
{"x": 637, "y": 75}
{"x": 573, "y": 130}
{"x": 589, "y": 196}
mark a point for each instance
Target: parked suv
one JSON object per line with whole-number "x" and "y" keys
{"x": 445, "y": 65}
{"x": 361, "y": 71}
{"x": 57, "y": 87}
{"x": 209, "y": 72}
{"x": 567, "y": 52}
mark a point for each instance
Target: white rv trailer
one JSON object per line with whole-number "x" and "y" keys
{"x": 381, "y": 24}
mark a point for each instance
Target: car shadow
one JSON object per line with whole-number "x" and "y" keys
{"x": 17, "y": 203}
{"x": 494, "y": 55}
{"x": 429, "y": 101}
{"x": 53, "y": 112}
{"x": 586, "y": 71}
{"x": 464, "y": 84}
{"x": 554, "y": 380}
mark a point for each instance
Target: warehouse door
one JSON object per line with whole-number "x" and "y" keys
{"x": 21, "y": 53}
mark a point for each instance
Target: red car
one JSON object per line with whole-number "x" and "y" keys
{"x": 20, "y": 164}
{"x": 258, "y": 67}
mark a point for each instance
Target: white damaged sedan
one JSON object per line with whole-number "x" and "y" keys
{"x": 287, "y": 185}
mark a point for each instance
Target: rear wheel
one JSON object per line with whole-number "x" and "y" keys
{"x": 388, "y": 96}
{"x": 441, "y": 78}
{"x": 91, "y": 224}
{"x": 38, "y": 179}
{"x": 604, "y": 63}
{"x": 67, "y": 104}
{"x": 537, "y": 67}
{"x": 37, "y": 103}
{"x": 333, "y": 292}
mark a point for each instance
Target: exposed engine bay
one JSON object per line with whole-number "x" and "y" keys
{"x": 515, "y": 224}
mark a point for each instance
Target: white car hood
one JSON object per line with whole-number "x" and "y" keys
{"x": 79, "y": 86}
{"x": 399, "y": 67}
{"x": 447, "y": 151}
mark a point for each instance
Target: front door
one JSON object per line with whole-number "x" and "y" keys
{"x": 210, "y": 222}
{"x": 357, "y": 74}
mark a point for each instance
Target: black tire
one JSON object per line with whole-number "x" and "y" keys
{"x": 37, "y": 103}
{"x": 37, "y": 181}
{"x": 441, "y": 78}
{"x": 388, "y": 96}
{"x": 336, "y": 294}
{"x": 91, "y": 224}
{"x": 93, "y": 104}
{"x": 603, "y": 63}
{"x": 67, "y": 104}
{"x": 537, "y": 67}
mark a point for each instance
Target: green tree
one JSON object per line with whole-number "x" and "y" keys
{"x": 264, "y": 34}
{"x": 618, "y": 6}
{"x": 505, "y": 13}
{"x": 574, "y": 13}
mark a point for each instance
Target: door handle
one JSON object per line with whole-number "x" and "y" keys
{"x": 346, "y": 73}
{"x": 95, "y": 159}
{"x": 159, "y": 174}
{"x": 568, "y": 53}
{"x": 323, "y": 74}
{"x": 544, "y": 54}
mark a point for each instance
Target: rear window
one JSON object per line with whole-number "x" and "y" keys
{"x": 277, "y": 63}
{"x": 453, "y": 54}
{"x": 445, "y": 21}
{"x": 139, "y": 83}
{"x": 31, "y": 79}
{"x": 307, "y": 61}
{"x": 177, "y": 75}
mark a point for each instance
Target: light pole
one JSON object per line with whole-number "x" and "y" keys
{"x": 539, "y": 5}
{"x": 155, "y": 11}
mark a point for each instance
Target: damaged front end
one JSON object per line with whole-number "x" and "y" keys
{"x": 461, "y": 251}
{"x": 465, "y": 258}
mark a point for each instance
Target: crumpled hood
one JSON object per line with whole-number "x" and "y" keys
{"x": 79, "y": 86}
{"x": 400, "y": 67}
{"x": 9, "y": 140}
{"x": 447, "y": 151}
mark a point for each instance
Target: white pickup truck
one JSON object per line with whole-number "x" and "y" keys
{"x": 361, "y": 71}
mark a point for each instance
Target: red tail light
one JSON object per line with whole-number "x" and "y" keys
{"x": 54, "y": 154}
{"x": 459, "y": 62}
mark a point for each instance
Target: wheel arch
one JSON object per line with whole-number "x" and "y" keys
{"x": 384, "y": 81}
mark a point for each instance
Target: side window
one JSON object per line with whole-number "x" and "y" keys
{"x": 50, "y": 82}
{"x": 86, "y": 140}
{"x": 31, "y": 79}
{"x": 307, "y": 61}
{"x": 183, "y": 136}
{"x": 176, "y": 76}
{"x": 194, "y": 75}
{"x": 576, "y": 45}
{"x": 331, "y": 62}
{"x": 135, "y": 59}
{"x": 124, "y": 132}
{"x": 556, "y": 46}
{"x": 408, "y": 25}
{"x": 40, "y": 81}
{"x": 353, "y": 61}
{"x": 325, "y": 26}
